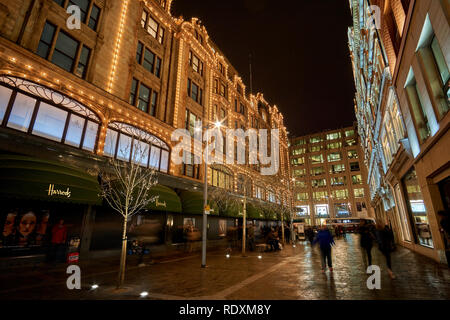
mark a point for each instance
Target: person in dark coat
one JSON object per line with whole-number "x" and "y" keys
{"x": 366, "y": 240}
{"x": 445, "y": 230}
{"x": 385, "y": 241}
{"x": 325, "y": 241}
{"x": 310, "y": 234}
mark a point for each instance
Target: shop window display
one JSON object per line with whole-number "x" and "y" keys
{"x": 417, "y": 209}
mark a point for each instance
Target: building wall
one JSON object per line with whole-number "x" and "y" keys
{"x": 106, "y": 86}
{"x": 415, "y": 161}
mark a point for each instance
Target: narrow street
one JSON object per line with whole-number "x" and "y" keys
{"x": 292, "y": 274}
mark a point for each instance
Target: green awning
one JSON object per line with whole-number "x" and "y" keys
{"x": 30, "y": 178}
{"x": 168, "y": 199}
{"x": 192, "y": 203}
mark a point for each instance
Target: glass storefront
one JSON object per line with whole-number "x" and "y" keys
{"x": 341, "y": 210}
{"x": 417, "y": 209}
{"x": 27, "y": 225}
{"x": 322, "y": 213}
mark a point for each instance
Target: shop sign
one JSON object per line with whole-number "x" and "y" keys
{"x": 52, "y": 191}
{"x": 161, "y": 204}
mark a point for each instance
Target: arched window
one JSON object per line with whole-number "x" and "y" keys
{"x": 125, "y": 142}
{"x": 221, "y": 177}
{"x": 34, "y": 109}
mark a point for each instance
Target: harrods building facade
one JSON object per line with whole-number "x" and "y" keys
{"x": 72, "y": 98}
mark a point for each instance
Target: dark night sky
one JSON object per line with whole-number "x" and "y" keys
{"x": 300, "y": 55}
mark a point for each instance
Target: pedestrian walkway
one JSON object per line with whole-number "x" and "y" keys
{"x": 291, "y": 274}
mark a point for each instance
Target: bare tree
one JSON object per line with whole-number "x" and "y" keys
{"x": 125, "y": 186}
{"x": 222, "y": 199}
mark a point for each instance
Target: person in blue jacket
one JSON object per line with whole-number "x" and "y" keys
{"x": 325, "y": 241}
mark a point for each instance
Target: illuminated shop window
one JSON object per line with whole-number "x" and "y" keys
{"x": 417, "y": 210}
{"x": 40, "y": 111}
{"x": 128, "y": 143}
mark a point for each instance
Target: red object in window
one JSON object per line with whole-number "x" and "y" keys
{"x": 73, "y": 257}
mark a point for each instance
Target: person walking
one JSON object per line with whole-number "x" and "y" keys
{"x": 325, "y": 240}
{"x": 251, "y": 237}
{"x": 59, "y": 237}
{"x": 287, "y": 234}
{"x": 445, "y": 230}
{"x": 366, "y": 241}
{"x": 385, "y": 241}
{"x": 310, "y": 235}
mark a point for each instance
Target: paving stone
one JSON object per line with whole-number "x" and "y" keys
{"x": 292, "y": 274}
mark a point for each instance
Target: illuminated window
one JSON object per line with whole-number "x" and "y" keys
{"x": 298, "y": 151}
{"x": 417, "y": 109}
{"x": 359, "y": 193}
{"x": 340, "y": 194}
{"x": 191, "y": 168}
{"x": 349, "y": 133}
{"x": 352, "y": 154}
{"x": 337, "y": 168}
{"x": 315, "y": 148}
{"x": 299, "y": 142}
{"x": 320, "y": 195}
{"x": 195, "y": 92}
{"x": 316, "y": 158}
{"x": 334, "y": 136}
{"x": 143, "y": 97}
{"x": 417, "y": 209}
{"x": 191, "y": 122}
{"x": 152, "y": 27}
{"x": 66, "y": 52}
{"x": 338, "y": 181}
{"x": 341, "y": 210}
{"x": 300, "y": 172}
{"x": 70, "y": 123}
{"x": 302, "y": 196}
{"x": 298, "y": 161}
{"x": 315, "y": 140}
{"x": 316, "y": 171}
{"x": 334, "y": 145}
{"x": 85, "y": 6}
{"x": 318, "y": 183}
{"x": 222, "y": 177}
{"x": 300, "y": 184}
{"x": 357, "y": 179}
{"x": 195, "y": 63}
{"x": 336, "y": 156}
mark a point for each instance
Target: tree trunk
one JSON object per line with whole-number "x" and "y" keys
{"x": 123, "y": 256}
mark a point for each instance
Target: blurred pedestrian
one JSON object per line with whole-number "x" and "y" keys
{"x": 325, "y": 240}
{"x": 310, "y": 234}
{"x": 385, "y": 241}
{"x": 366, "y": 241}
{"x": 344, "y": 233}
{"x": 59, "y": 238}
{"x": 445, "y": 230}
{"x": 251, "y": 237}
{"x": 287, "y": 234}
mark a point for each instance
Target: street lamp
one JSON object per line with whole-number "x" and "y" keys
{"x": 244, "y": 218}
{"x": 292, "y": 214}
{"x": 216, "y": 125}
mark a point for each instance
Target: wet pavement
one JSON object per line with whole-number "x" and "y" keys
{"x": 291, "y": 274}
